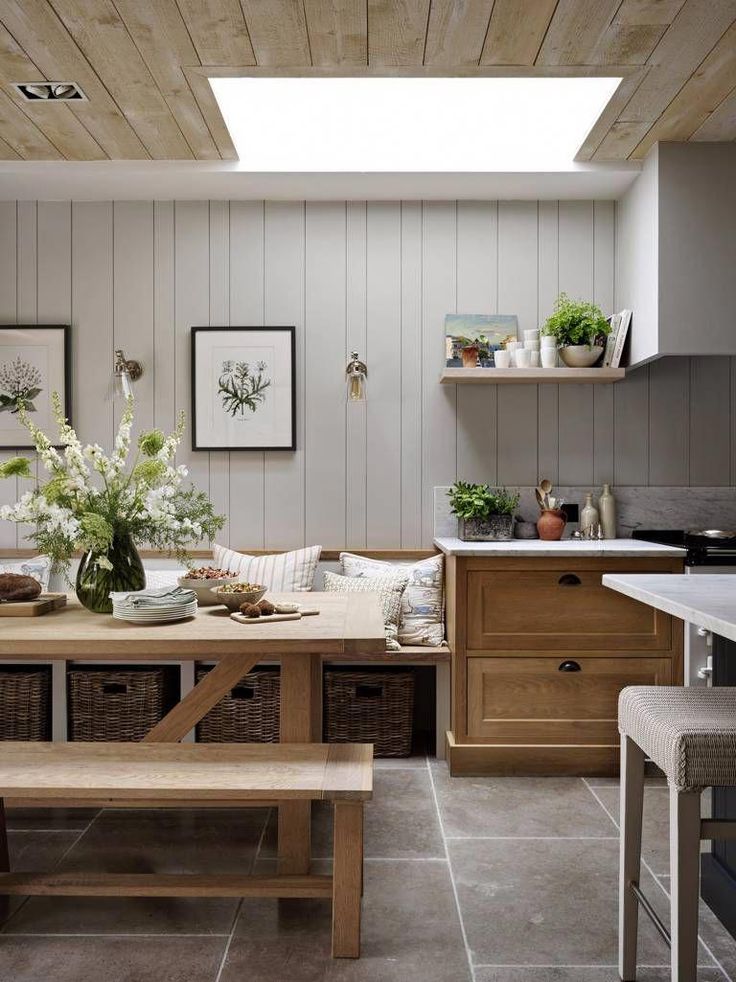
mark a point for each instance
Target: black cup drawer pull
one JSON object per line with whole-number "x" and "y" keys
{"x": 569, "y": 666}
{"x": 569, "y": 579}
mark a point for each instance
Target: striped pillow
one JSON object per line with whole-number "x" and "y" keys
{"x": 286, "y": 572}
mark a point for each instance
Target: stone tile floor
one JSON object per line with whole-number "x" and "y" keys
{"x": 467, "y": 880}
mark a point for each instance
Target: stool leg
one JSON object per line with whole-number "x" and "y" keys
{"x": 347, "y": 877}
{"x": 631, "y": 807}
{"x": 684, "y": 882}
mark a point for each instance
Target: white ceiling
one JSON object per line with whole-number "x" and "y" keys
{"x": 197, "y": 180}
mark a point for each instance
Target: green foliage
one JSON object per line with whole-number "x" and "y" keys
{"x": 481, "y": 501}
{"x": 151, "y": 443}
{"x": 576, "y": 322}
{"x": 16, "y": 467}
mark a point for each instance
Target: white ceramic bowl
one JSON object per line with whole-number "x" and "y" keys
{"x": 234, "y": 601}
{"x": 581, "y": 355}
{"x": 205, "y": 589}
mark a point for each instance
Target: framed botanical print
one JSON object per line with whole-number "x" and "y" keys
{"x": 34, "y": 362}
{"x": 243, "y": 388}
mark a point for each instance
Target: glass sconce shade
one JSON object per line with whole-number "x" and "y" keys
{"x": 356, "y": 374}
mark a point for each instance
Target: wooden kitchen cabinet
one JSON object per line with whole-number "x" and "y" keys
{"x": 541, "y": 651}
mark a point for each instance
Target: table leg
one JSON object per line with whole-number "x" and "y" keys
{"x": 301, "y": 722}
{"x": 4, "y": 862}
{"x": 199, "y": 700}
{"x": 347, "y": 879}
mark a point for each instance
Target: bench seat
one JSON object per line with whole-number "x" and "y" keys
{"x": 189, "y": 773}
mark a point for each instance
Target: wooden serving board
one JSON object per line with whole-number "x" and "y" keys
{"x": 43, "y": 604}
{"x": 296, "y": 616}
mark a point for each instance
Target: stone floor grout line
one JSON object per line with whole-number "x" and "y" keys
{"x": 57, "y": 864}
{"x": 60, "y": 934}
{"x": 468, "y": 954}
{"x": 656, "y": 879}
{"x": 533, "y": 838}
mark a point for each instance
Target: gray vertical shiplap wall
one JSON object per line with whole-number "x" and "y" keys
{"x": 378, "y": 277}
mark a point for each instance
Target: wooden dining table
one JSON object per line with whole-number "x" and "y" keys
{"x": 349, "y": 626}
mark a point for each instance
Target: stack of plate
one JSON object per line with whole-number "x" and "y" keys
{"x": 154, "y": 606}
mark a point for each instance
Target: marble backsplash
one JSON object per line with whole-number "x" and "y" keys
{"x": 636, "y": 507}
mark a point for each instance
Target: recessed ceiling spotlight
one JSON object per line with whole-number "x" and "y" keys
{"x": 49, "y": 91}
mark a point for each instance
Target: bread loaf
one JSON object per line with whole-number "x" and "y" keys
{"x": 13, "y": 586}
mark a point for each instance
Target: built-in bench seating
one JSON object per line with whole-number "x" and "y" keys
{"x": 225, "y": 774}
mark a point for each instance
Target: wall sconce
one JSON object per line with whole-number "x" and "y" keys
{"x": 356, "y": 373}
{"x": 125, "y": 372}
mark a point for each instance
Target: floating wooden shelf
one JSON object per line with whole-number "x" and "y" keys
{"x": 530, "y": 376}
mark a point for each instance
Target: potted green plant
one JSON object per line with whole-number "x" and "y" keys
{"x": 580, "y": 330}
{"x": 486, "y": 514}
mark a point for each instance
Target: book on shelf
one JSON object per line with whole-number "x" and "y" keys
{"x": 616, "y": 339}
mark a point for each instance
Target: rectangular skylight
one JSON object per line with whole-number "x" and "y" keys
{"x": 409, "y": 124}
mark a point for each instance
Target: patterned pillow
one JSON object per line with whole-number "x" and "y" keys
{"x": 39, "y": 568}
{"x": 389, "y": 589}
{"x": 285, "y": 572}
{"x": 422, "y": 606}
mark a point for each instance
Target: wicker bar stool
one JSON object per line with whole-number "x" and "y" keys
{"x": 690, "y": 733}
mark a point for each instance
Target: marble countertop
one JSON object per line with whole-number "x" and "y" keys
{"x": 565, "y": 547}
{"x": 708, "y": 599}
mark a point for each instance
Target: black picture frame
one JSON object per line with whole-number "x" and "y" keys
{"x": 197, "y": 332}
{"x": 66, "y": 372}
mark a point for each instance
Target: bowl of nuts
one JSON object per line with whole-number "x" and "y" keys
{"x": 204, "y": 580}
{"x": 235, "y": 595}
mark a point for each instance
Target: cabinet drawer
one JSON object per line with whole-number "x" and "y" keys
{"x": 520, "y": 699}
{"x": 558, "y": 608}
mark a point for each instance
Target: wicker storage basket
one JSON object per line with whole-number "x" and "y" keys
{"x": 249, "y": 713}
{"x": 25, "y": 705}
{"x": 116, "y": 706}
{"x": 371, "y": 707}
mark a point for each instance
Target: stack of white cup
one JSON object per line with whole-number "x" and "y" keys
{"x": 549, "y": 351}
{"x": 531, "y": 349}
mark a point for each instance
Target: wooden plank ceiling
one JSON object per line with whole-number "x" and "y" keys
{"x": 143, "y": 64}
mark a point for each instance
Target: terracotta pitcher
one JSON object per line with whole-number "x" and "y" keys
{"x": 551, "y": 524}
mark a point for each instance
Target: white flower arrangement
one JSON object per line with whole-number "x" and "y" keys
{"x": 91, "y": 497}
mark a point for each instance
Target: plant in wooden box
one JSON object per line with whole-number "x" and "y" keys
{"x": 580, "y": 330}
{"x": 96, "y": 503}
{"x": 486, "y": 514}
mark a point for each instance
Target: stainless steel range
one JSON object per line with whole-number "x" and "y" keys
{"x": 708, "y": 551}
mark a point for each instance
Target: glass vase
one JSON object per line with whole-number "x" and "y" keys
{"x": 123, "y": 570}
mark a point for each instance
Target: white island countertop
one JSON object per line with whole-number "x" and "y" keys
{"x": 708, "y": 600}
{"x": 564, "y": 547}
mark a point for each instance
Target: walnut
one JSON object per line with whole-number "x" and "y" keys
{"x": 250, "y": 610}
{"x": 13, "y": 586}
{"x": 266, "y": 608}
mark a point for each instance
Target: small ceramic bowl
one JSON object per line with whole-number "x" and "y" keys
{"x": 234, "y": 601}
{"x": 205, "y": 589}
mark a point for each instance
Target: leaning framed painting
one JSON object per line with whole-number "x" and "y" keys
{"x": 34, "y": 362}
{"x": 243, "y": 388}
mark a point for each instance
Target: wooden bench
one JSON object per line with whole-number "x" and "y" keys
{"x": 229, "y": 774}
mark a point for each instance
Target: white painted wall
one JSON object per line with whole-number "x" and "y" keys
{"x": 378, "y": 276}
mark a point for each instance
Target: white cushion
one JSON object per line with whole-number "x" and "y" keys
{"x": 286, "y": 572}
{"x": 39, "y": 568}
{"x": 422, "y": 605}
{"x": 389, "y": 589}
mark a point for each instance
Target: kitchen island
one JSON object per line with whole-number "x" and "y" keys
{"x": 710, "y": 602}
{"x": 541, "y": 650}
